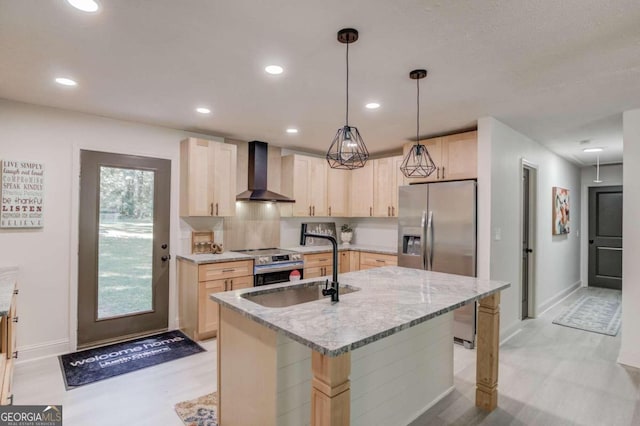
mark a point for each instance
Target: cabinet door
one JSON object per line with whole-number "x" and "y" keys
{"x": 398, "y": 181}
{"x": 344, "y": 262}
{"x": 383, "y": 180}
{"x": 223, "y": 163}
{"x": 338, "y": 192}
{"x": 241, "y": 282}
{"x": 361, "y": 201}
{"x": 207, "y": 308}
{"x": 313, "y": 272}
{"x": 434, "y": 146}
{"x": 301, "y": 185}
{"x": 460, "y": 156}
{"x": 196, "y": 194}
{"x": 318, "y": 186}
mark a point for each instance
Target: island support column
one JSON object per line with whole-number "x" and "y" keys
{"x": 487, "y": 352}
{"x": 330, "y": 390}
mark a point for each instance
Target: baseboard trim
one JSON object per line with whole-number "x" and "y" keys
{"x": 630, "y": 359}
{"x": 549, "y": 304}
{"x": 42, "y": 350}
{"x": 431, "y": 404}
{"x": 510, "y": 332}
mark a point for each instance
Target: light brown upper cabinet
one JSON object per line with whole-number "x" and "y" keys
{"x": 338, "y": 184}
{"x": 304, "y": 179}
{"x": 455, "y": 157}
{"x": 361, "y": 199}
{"x": 207, "y": 178}
{"x": 387, "y": 178}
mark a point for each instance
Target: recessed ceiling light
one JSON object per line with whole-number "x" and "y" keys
{"x": 66, "y": 81}
{"x": 372, "y": 105}
{"x": 203, "y": 110}
{"x": 85, "y": 5}
{"x": 292, "y": 130}
{"x": 592, "y": 150}
{"x": 274, "y": 69}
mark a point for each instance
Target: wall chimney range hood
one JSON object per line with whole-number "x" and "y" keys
{"x": 257, "y": 182}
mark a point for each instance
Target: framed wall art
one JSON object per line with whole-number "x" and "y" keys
{"x": 22, "y": 194}
{"x": 560, "y": 211}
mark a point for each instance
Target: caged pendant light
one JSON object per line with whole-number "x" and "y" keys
{"x": 418, "y": 162}
{"x": 347, "y": 150}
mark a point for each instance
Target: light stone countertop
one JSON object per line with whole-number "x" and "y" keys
{"x": 390, "y": 300}
{"x": 342, "y": 247}
{"x": 227, "y": 256}
{"x": 8, "y": 283}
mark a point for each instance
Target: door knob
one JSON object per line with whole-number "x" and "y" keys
{"x": 165, "y": 257}
{"x": 528, "y": 250}
{"x": 590, "y": 241}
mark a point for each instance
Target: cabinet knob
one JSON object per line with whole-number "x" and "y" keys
{"x": 438, "y": 172}
{"x": 15, "y": 355}
{"x": 442, "y": 172}
{"x": 16, "y": 291}
{"x": 15, "y": 319}
{"x": 329, "y": 210}
{"x": 216, "y": 209}
{"x": 370, "y": 211}
{"x": 211, "y": 210}
{"x": 10, "y": 399}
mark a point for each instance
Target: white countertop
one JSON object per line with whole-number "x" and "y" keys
{"x": 227, "y": 256}
{"x": 8, "y": 283}
{"x": 343, "y": 247}
{"x": 390, "y": 300}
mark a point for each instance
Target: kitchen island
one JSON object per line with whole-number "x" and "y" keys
{"x": 382, "y": 355}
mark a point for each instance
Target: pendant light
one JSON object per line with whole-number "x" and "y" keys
{"x": 597, "y": 180}
{"x": 418, "y": 162}
{"x": 347, "y": 150}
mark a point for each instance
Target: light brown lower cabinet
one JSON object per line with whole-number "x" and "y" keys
{"x": 317, "y": 265}
{"x": 370, "y": 260}
{"x": 349, "y": 261}
{"x": 198, "y": 315}
{"x": 8, "y": 352}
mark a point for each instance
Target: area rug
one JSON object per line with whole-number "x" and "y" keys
{"x": 200, "y": 411}
{"x": 598, "y": 311}
{"x": 92, "y": 365}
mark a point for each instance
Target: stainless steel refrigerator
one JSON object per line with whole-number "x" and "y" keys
{"x": 437, "y": 232}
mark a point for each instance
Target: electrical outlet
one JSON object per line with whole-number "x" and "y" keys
{"x": 497, "y": 234}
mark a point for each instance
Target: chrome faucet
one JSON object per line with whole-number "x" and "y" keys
{"x": 334, "y": 291}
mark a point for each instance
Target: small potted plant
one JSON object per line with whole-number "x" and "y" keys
{"x": 346, "y": 233}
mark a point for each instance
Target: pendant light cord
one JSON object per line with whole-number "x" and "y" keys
{"x": 418, "y": 112}
{"x": 347, "y": 114}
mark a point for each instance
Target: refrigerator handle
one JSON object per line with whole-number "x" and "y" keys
{"x": 429, "y": 241}
{"x": 423, "y": 242}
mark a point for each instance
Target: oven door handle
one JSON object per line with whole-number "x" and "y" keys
{"x": 259, "y": 270}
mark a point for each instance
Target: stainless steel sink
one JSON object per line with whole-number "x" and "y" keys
{"x": 288, "y": 296}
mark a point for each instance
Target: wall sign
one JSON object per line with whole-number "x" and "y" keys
{"x": 22, "y": 194}
{"x": 560, "y": 211}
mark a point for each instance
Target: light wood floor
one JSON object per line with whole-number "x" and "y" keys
{"x": 549, "y": 375}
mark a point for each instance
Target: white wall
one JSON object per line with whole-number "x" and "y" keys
{"x": 609, "y": 175}
{"x": 630, "y": 346}
{"x": 557, "y": 268}
{"x": 47, "y": 257}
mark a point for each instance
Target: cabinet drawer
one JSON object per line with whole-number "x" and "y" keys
{"x": 373, "y": 260}
{"x": 314, "y": 272}
{"x": 217, "y": 271}
{"x": 318, "y": 259}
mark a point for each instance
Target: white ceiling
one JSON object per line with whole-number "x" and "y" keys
{"x": 558, "y": 71}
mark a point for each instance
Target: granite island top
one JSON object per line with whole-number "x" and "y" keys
{"x": 390, "y": 300}
{"x": 8, "y": 278}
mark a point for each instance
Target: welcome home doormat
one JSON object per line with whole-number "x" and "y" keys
{"x": 92, "y": 365}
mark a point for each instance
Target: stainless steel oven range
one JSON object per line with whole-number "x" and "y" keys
{"x": 272, "y": 266}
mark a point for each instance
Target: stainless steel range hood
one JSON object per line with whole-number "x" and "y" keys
{"x": 257, "y": 182}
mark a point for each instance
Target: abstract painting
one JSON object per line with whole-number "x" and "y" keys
{"x": 560, "y": 211}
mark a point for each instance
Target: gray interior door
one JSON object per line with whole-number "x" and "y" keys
{"x": 123, "y": 257}
{"x": 605, "y": 237}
